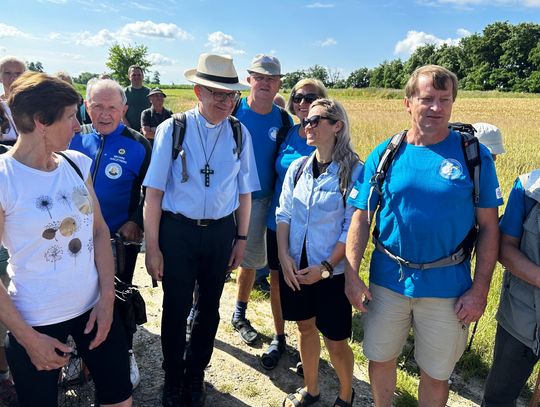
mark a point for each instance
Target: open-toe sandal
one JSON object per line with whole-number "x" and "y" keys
{"x": 305, "y": 398}
{"x": 270, "y": 358}
{"x": 342, "y": 403}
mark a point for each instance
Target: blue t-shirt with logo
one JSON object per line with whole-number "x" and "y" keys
{"x": 294, "y": 146}
{"x": 517, "y": 208}
{"x": 425, "y": 211}
{"x": 263, "y": 129}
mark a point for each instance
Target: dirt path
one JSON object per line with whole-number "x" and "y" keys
{"x": 235, "y": 377}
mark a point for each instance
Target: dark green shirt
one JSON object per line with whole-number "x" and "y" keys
{"x": 137, "y": 101}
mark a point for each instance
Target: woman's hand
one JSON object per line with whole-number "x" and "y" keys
{"x": 46, "y": 352}
{"x": 290, "y": 271}
{"x": 309, "y": 275}
{"x": 102, "y": 314}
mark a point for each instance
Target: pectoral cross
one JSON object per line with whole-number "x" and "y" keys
{"x": 207, "y": 171}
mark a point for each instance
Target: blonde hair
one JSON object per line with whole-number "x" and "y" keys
{"x": 317, "y": 84}
{"x": 439, "y": 76}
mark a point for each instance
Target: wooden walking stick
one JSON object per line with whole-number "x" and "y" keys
{"x": 536, "y": 394}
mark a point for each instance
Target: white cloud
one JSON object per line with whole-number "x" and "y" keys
{"x": 140, "y": 6}
{"x": 147, "y": 29}
{"x": 10, "y": 31}
{"x": 103, "y": 37}
{"x": 415, "y": 39}
{"x": 160, "y": 60}
{"x": 53, "y": 36}
{"x": 327, "y": 42}
{"x": 223, "y": 43}
{"x": 320, "y": 5}
{"x": 69, "y": 55}
{"x": 158, "y": 30}
{"x": 531, "y": 3}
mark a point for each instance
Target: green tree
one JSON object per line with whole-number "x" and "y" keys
{"x": 35, "y": 66}
{"x": 156, "y": 78}
{"x": 121, "y": 57}
{"x": 291, "y": 78}
{"x": 318, "y": 72}
{"x": 84, "y": 77}
{"x": 359, "y": 78}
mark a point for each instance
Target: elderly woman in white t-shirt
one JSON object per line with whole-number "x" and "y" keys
{"x": 51, "y": 224}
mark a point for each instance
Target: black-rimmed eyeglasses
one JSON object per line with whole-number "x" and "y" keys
{"x": 222, "y": 96}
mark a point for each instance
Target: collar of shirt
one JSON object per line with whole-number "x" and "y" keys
{"x": 205, "y": 124}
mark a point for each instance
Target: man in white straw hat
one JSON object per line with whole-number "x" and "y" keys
{"x": 490, "y": 136}
{"x": 263, "y": 118}
{"x": 196, "y": 219}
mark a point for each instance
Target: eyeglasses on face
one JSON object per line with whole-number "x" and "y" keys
{"x": 313, "y": 121}
{"x": 308, "y": 97}
{"x": 222, "y": 96}
{"x": 265, "y": 78}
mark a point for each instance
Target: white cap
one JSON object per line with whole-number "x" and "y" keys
{"x": 490, "y": 136}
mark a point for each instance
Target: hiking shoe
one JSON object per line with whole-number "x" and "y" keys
{"x": 248, "y": 334}
{"x": 134, "y": 374}
{"x": 263, "y": 286}
{"x": 8, "y": 395}
{"x": 195, "y": 390}
{"x": 171, "y": 396}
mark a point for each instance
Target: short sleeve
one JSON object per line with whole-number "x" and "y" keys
{"x": 515, "y": 212}
{"x": 161, "y": 161}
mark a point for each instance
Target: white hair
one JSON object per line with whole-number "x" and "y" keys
{"x": 9, "y": 60}
{"x": 95, "y": 84}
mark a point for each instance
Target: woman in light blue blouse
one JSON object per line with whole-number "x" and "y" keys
{"x": 305, "y": 92}
{"x": 312, "y": 224}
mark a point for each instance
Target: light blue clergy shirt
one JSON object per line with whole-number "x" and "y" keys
{"x": 232, "y": 175}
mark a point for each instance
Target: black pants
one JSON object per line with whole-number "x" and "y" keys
{"x": 513, "y": 363}
{"x": 108, "y": 364}
{"x": 130, "y": 260}
{"x": 191, "y": 253}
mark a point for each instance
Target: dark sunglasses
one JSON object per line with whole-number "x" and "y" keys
{"x": 313, "y": 121}
{"x": 308, "y": 97}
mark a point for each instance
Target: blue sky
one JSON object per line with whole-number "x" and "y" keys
{"x": 74, "y": 35}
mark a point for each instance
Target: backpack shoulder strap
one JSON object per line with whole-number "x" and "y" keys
{"x": 178, "y": 134}
{"x": 471, "y": 151}
{"x": 86, "y": 129}
{"x": 386, "y": 159}
{"x": 237, "y": 134}
{"x": 70, "y": 161}
{"x": 284, "y": 117}
{"x": 236, "y": 106}
{"x": 281, "y": 135}
{"x": 299, "y": 171}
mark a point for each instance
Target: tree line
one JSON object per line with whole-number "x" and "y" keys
{"x": 502, "y": 57}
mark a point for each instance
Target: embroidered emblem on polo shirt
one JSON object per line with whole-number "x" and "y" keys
{"x": 450, "y": 169}
{"x": 113, "y": 171}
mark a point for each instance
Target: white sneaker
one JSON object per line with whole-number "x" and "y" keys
{"x": 134, "y": 374}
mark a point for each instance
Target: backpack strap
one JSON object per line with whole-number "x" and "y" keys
{"x": 236, "y": 107}
{"x": 178, "y": 133}
{"x": 70, "y": 161}
{"x": 237, "y": 134}
{"x": 281, "y": 135}
{"x": 471, "y": 151}
{"x": 386, "y": 159}
{"x": 299, "y": 171}
{"x": 86, "y": 129}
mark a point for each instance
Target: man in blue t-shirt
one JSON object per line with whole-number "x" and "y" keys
{"x": 263, "y": 119}
{"x": 517, "y": 345}
{"x": 425, "y": 211}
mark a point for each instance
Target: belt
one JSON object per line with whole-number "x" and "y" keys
{"x": 195, "y": 222}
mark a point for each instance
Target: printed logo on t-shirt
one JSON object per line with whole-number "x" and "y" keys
{"x": 113, "y": 171}
{"x": 498, "y": 193}
{"x": 354, "y": 193}
{"x": 272, "y": 133}
{"x": 121, "y": 151}
{"x": 450, "y": 169}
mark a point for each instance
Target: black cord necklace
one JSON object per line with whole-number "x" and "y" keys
{"x": 207, "y": 171}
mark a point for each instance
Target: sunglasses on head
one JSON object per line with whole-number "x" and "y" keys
{"x": 308, "y": 97}
{"x": 313, "y": 121}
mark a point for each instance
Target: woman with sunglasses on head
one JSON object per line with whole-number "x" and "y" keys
{"x": 312, "y": 224}
{"x": 51, "y": 224}
{"x": 305, "y": 92}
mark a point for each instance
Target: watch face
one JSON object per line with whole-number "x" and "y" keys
{"x": 325, "y": 273}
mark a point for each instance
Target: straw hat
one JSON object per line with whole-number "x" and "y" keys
{"x": 215, "y": 71}
{"x": 490, "y": 136}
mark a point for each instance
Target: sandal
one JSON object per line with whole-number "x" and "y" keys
{"x": 342, "y": 403}
{"x": 305, "y": 399}
{"x": 300, "y": 369}
{"x": 270, "y": 358}
{"x": 248, "y": 334}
